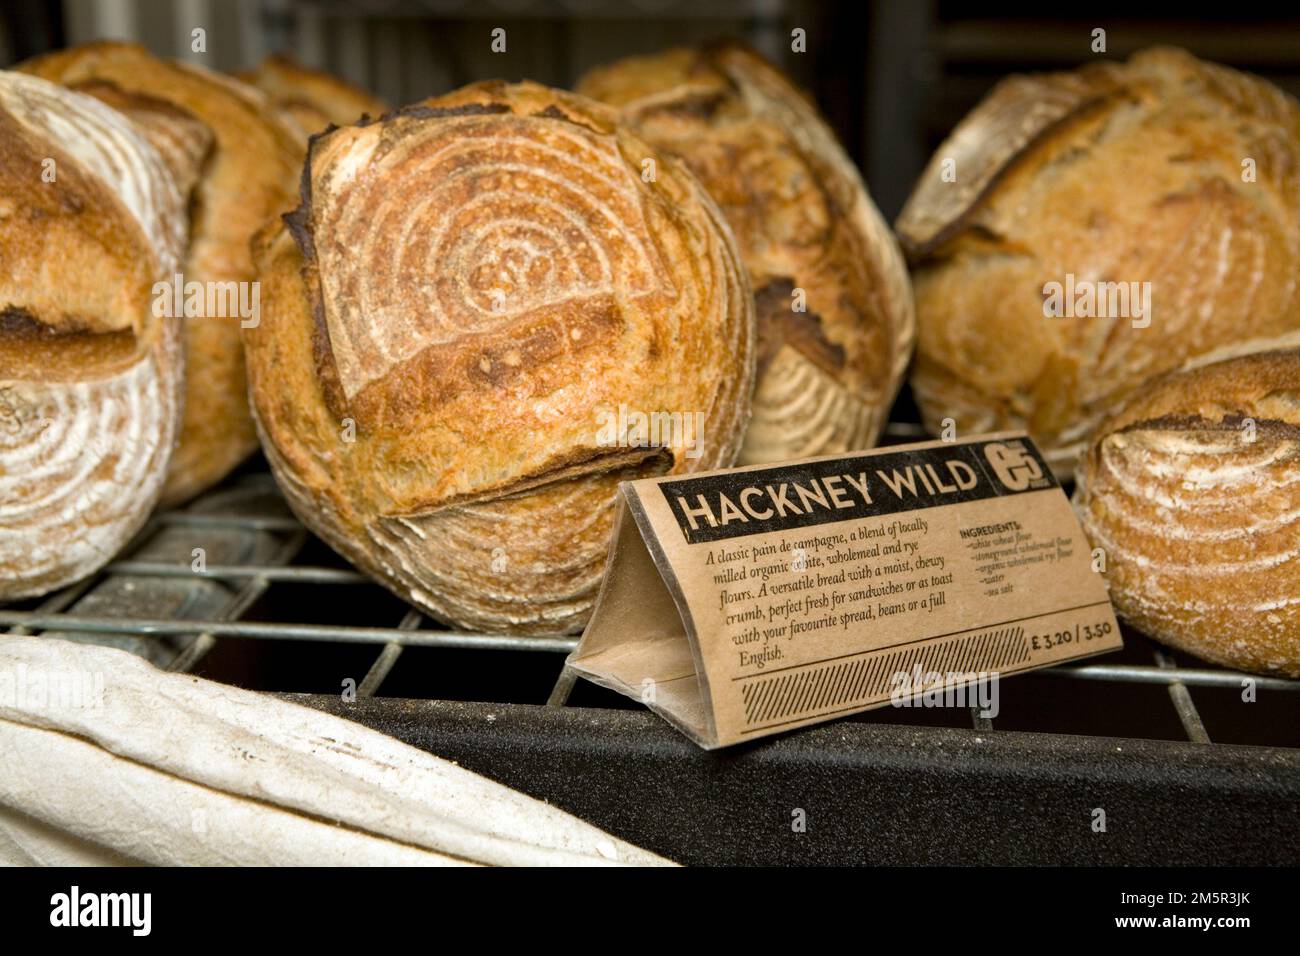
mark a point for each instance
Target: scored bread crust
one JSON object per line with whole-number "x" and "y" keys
{"x": 470, "y": 290}
{"x": 827, "y": 376}
{"x": 248, "y": 178}
{"x": 182, "y": 139}
{"x": 1116, "y": 172}
{"x": 91, "y": 382}
{"x": 311, "y": 98}
{"x": 1192, "y": 490}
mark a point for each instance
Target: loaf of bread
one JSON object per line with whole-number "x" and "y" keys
{"x": 462, "y": 321}
{"x": 310, "y": 98}
{"x": 91, "y": 379}
{"x": 1192, "y": 491}
{"x": 248, "y": 177}
{"x": 182, "y": 139}
{"x": 835, "y": 315}
{"x": 1038, "y": 221}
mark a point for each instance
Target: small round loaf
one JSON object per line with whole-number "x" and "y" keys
{"x": 311, "y": 98}
{"x": 461, "y": 322}
{"x": 1192, "y": 490}
{"x": 248, "y": 177}
{"x": 1162, "y": 170}
{"x": 91, "y": 380}
{"x": 827, "y": 372}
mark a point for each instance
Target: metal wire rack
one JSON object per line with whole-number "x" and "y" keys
{"x": 159, "y": 601}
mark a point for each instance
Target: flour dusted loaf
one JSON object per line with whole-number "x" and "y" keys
{"x": 827, "y": 375}
{"x": 312, "y": 99}
{"x": 1164, "y": 170}
{"x": 476, "y": 296}
{"x": 1192, "y": 489}
{"x": 247, "y": 177}
{"x": 90, "y": 380}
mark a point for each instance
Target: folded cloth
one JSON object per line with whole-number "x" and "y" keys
{"x": 105, "y": 759}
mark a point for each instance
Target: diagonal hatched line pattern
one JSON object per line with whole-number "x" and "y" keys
{"x": 871, "y": 676}
{"x": 60, "y": 612}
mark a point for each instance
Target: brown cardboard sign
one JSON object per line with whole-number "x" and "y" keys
{"x": 749, "y": 601}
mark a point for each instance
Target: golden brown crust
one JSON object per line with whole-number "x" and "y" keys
{"x": 90, "y": 378}
{"x": 1118, "y": 172}
{"x": 803, "y": 219}
{"x": 1192, "y": 490}
{"x": 182, "y": 139}
{"x": 476, "y": 339}
{"x": 248, "y": 178}
{"x": 72, "y": 208}
{"x": 312, "y": 98}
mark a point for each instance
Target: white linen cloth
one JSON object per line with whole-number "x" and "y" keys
{"x": 104, "y": 759}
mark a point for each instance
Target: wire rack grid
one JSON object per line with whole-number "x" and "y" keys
{"x": 175, "y": 611}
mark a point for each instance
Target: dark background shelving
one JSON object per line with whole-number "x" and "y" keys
{"x": 892, "y": 76}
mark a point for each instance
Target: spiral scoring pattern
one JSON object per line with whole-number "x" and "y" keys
{"x": 548, "y": 223}
{"x": 82, "y": 461}
{"x": 491, "y": 272}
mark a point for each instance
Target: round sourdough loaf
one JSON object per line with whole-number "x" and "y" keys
{"x": 247, "y": 178}
{"x": 1192, "y": 491}
{"x": 1162, "y": 170}
{"x": 835, "y": 316}
{"x": 475, "y": 300}
{"x": 311, "y": 99}
{"x": 90, "y": 379}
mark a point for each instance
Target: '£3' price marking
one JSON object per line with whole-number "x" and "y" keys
{"x": 1088, "y": 632}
